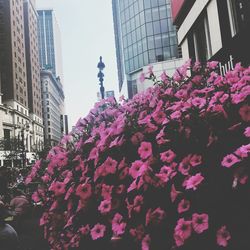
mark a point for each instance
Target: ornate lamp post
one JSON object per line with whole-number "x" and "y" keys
{"x": 100, "y": 75}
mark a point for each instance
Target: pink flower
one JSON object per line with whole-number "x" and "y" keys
{"x": 84, "y": 191}
{"x": 223, "y": 236}
{"x": 200, "y": 222}
{"x": 137, "y": 232}
{"x": 58, "y": 188}
{"x": 174, "y": 193}
{"x": 168, "y": 156}
{"x": 106, "y": 191}
{"x": 245, "y": 113}
{"x": 238, "y": 98}
{"x": 138, "y": 202}
{"x": 145, "y": 150}
{"x": 212, "y": 64}
{"x": 46, "y": 178}
{"x": 110, "y": 165}
{"x": 105, "y": 206}
{"x": 155, "y": 217}
{"x": 93, "y": 154}
{"x": 182, "y": 231}
{"x": 164, "y": 77}
{"x": 135, "y": 168}
{"x": 194, "y": 181}
{"x": 35, "y": 197}
{"x": 229, "y": 160}
{"x": 97, "y": 231}
{"x": 195, "y": 160}
{"x": 184, "y": 167}
{"x": 183, "y": 206}
{"x": 181, "y": 94}
{"x": 247, "y": 132}
{"x": 137, "y": 138}
{"x": 159, "y": 116}
{"x": 199, "y": 102}
{"x": 118, "y": 227}
{"x": 175, "y": 115}
{"x": 84, "y": 230}
{"x": 145, "y": 244}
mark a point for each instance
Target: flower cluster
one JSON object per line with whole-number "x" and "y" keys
{"x": 166, "y": 170}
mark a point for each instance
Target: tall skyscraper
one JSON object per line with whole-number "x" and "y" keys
{"x": 33, "y": 71}
{"x": 19, "y": 73}
{"x": 51, "y": 75}
{"x": 53, "y": 103}
{"x": 50, "y": 42}
{"x": 144, "y": 35}
{"x": 13, "y": 57}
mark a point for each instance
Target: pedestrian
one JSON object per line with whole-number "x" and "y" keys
{"x": 8, "y": 235}
{"x": 19, "y": 204}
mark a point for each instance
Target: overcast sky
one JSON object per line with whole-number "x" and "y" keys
{"x": 87, "y": 33}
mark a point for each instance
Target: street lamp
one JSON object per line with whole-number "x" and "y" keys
{"x": 100, "y": 75}
{"x": 23, "y": 127}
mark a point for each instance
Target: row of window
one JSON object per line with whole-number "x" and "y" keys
{"x": 150, "y": 56}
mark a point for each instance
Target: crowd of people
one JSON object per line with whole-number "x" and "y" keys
{"x": 19, "y": 217}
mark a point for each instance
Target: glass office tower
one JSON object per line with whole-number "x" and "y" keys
{"x": 144, "y": 34}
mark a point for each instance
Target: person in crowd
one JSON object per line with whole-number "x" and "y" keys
{"x": 8, "y": 235}
{"x": 19, "y": 204}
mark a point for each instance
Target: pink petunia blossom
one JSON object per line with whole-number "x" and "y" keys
{"x": 119, "y": 229}
{"x": 98, "y": 231}
{"x": 200, "y": 222}
{"x": 84, "y": 230}
{"x": 198, "y": 102}
{"x": 174, "y": 193}
{"x": 110, "y": 165}
{"x": 84, "y": 191}
{"x": 243, "y": 151}
{"x": 167, "y": 156}
{"x": 159, "y": 116}
{"x": 105, "y": 206}
{"x": 106, "y": 191}
{"x": 137, "y": 138}
{"x": 175, "y": 115}
{"x": 118, "y": 226}
{"x": 195, "y": 160}
{"x": 164, "y": 77}
{"x": 182, "y": 231}
{"x": 145, "y": 150}
{"x": 245, "y": 113}
{"x": 247, "y": 132}
{"x": 184, "y": 167}
{"x": 223, "y": 236}
{"x": 183, "y": 206}
{"x": 58, "y": 188}
{"x": 155, "y": 217}
{"x": 194, "y": 181}
{"x": 145, "y": 244}
{"x": 137, "y": 232}
{"x": 229, "y": 160}
{"x": 135, "y": 168}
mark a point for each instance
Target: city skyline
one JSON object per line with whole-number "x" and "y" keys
{"x": 84, "y": 39}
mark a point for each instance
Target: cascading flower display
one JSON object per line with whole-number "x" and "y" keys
{"x": 168, "y": 169}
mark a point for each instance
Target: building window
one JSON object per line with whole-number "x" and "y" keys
{"x": 201, "y": 37}
{"x": 238, "y": 11}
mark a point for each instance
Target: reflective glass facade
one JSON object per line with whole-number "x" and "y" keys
{"x": 46, "y": 40}
{"x": 147, "y": 32}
